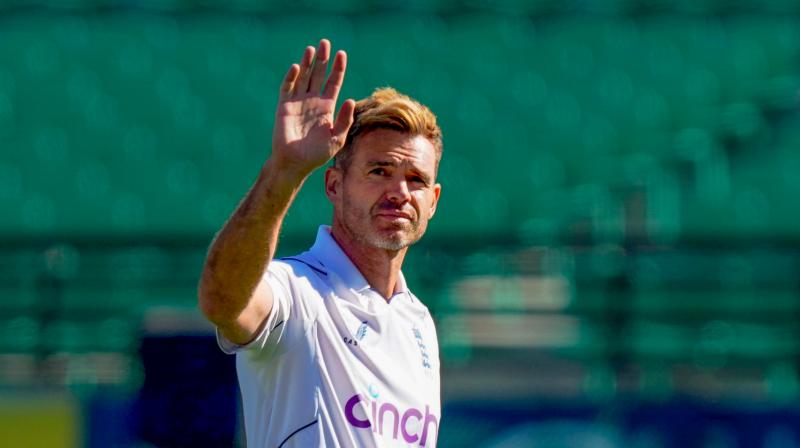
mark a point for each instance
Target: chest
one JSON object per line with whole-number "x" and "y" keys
{"x": 396, "y": 347}
{"x": 382, "y": 370}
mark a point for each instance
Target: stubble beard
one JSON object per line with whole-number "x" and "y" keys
{"x": 359, "y": 226}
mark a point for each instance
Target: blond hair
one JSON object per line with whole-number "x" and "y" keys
{"x": 386, "y": 108}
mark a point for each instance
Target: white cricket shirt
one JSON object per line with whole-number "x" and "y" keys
{"x": 336, "y": 365}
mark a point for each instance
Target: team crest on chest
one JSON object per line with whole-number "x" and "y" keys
{"x": 359, "y": 335}
{"x": 362, "y": 330}
{"x": 423, "y": 350}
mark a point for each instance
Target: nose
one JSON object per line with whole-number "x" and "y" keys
{"x": 398, "y": 192}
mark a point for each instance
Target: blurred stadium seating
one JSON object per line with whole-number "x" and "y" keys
{"x": 616, "y": 248}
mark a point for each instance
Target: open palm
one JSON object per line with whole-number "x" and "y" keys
{"x": 306, "y": 135}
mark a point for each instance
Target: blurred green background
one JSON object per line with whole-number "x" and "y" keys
{"x": 615, "y": 256}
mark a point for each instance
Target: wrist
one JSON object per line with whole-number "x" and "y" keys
{"x": 284, "y": 171}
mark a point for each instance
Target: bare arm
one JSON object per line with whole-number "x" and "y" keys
{"x": 232, "y": 292}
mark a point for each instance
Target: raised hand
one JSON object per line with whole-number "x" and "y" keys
{"x": 306, "y": 135}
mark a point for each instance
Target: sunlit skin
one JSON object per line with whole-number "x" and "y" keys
{"x": 383, "y": 202}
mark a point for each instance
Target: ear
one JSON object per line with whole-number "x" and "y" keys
{"x": 333, "y": 183}
{"x": 437, "y": 190}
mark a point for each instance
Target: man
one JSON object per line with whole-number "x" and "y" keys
{"x": 332, "y": 348}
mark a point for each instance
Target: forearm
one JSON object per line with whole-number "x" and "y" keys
{"x": 244, "y": 247}
{"x": 305, "y": 136}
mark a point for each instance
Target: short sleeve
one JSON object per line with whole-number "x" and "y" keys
{"x": 272, "y": 330}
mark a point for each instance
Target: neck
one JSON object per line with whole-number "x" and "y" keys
{"x": 380, "y": 267}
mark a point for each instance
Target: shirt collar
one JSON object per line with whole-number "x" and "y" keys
{"x": 328, "y": 252}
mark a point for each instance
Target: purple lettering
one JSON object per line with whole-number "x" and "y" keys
{"x": 374, "y": 415}
{"x": 351, "y": 417}
{"x": 410, "y": 430}
{"x": 429, "y": 418}
{"x": 395, "y": 423}
{"x": 410, "y": 438}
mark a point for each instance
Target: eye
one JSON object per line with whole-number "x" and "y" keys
{"x": 379, "y": 171}
{"x": 418, "y": 180}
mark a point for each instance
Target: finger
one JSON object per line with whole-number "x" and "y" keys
{"x": 301, "y": 85}
{"x": 320, "y": 67}
{"x": 287, "y": 86}
{"x": 336, "y": 77}
{"x": 343, "y": 121}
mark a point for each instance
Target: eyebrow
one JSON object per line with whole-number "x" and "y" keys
{"x": 420, "y": 173}
{"x": 381, "y": 163}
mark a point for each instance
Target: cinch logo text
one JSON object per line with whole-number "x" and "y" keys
{"x": 399, "y": 422}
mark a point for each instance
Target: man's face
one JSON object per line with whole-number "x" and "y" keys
{"x": 388, "y": 193}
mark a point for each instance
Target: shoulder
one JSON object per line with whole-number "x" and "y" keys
{"x": 301, "y": 280}
{"x": 418, "y": 312}
{"x": 418, "y": 306}
{"x": 301, "y": 262}
{"x": 295, "y": 268}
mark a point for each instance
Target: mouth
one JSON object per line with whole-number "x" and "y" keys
{"x": 394, "y": 217}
